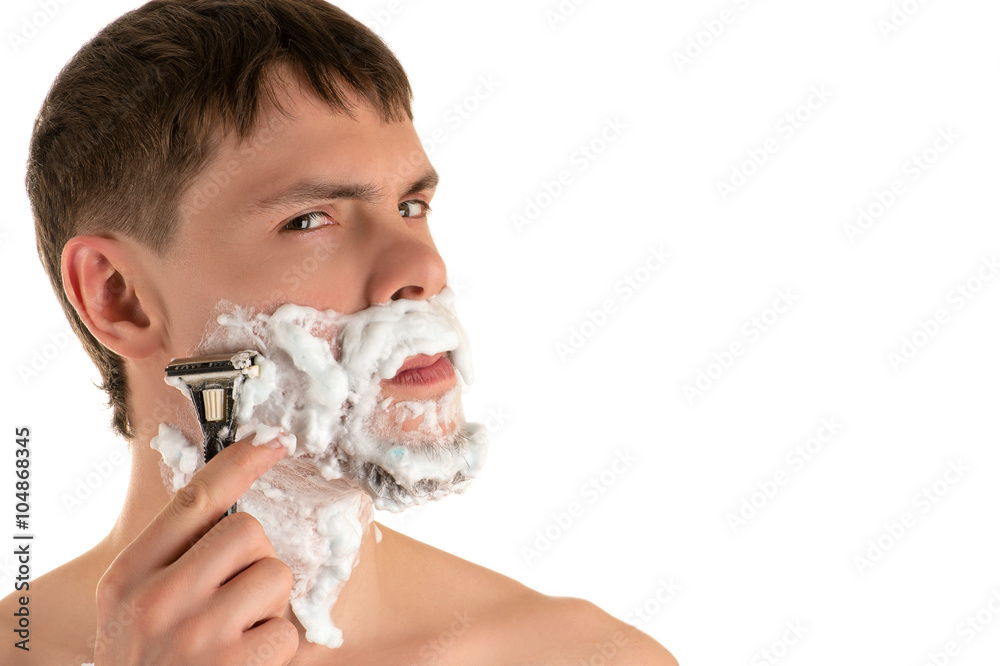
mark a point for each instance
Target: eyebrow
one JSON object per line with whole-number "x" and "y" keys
{"x": 310, "y": 191}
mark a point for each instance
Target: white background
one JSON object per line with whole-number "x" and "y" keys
{"x": 524, "y": 290}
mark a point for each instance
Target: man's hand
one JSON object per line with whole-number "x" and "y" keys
{"x": 191, "y": 589}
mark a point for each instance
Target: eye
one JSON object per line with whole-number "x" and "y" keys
{"x": 414, "y": 208}
{"x": 307, "y": 221}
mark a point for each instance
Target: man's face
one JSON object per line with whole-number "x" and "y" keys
{"x": 317, "y": 209}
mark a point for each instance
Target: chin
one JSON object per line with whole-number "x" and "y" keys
{"x": 418, "y": 470}
{"x": 414, "y": 451}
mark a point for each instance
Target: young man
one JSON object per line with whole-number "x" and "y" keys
{"x": 198, "y": 152}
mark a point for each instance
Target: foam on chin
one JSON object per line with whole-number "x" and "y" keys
{"x": 318, "y": 393}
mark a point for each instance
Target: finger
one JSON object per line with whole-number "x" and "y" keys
{"x": 258, "y": 593}
{"x": 272, "y": 643}
{"x": 196, "y": 507}
{"x": 232, "y": 545}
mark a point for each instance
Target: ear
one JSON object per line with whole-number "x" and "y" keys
{"x": 102, "y": 281}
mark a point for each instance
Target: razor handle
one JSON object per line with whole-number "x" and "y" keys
{"x": 217, "y": 421}
{"x": 215, "y": 441}
{"x": 214, "y": 384}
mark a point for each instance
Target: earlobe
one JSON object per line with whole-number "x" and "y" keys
{"x": 100, "y": 279}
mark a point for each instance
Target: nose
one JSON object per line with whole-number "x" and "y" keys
{"x": 405, "y": 264}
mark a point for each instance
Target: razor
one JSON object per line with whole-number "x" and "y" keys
{"x": 214, "y": 384}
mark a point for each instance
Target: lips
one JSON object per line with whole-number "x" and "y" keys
{"x": 422, "y": 370}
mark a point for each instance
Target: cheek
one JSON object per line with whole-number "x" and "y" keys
{"x": 320, "y": 276}
{"x": 189, "y": 324}
{"x": 191, "y": 308}
{"x": 184, "y": 310}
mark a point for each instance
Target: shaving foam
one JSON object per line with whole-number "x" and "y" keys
{"x": 318, "y": 394}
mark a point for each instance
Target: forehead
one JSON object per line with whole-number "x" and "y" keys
{"x": 302, "y": 139}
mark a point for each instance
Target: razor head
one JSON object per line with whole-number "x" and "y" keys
{"x": 213, "y": 383}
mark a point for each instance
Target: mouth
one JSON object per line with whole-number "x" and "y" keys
{"x": 423, "y": 370}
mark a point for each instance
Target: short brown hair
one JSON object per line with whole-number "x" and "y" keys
{"x": 128, "y": 123}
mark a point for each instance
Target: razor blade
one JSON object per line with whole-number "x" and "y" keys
{"x": 214, "y": 384}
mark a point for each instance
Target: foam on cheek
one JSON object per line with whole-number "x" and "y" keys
{"x": 319, "y": 390}
{"x": 319, "y": 394}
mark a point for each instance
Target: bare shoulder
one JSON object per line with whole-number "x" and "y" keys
{"x": 52, "y": 620}
{"x": 565, "y": 630}
{"x": 470, "y": 614}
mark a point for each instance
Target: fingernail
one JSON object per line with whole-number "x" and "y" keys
{"x": 274, "y": 444}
